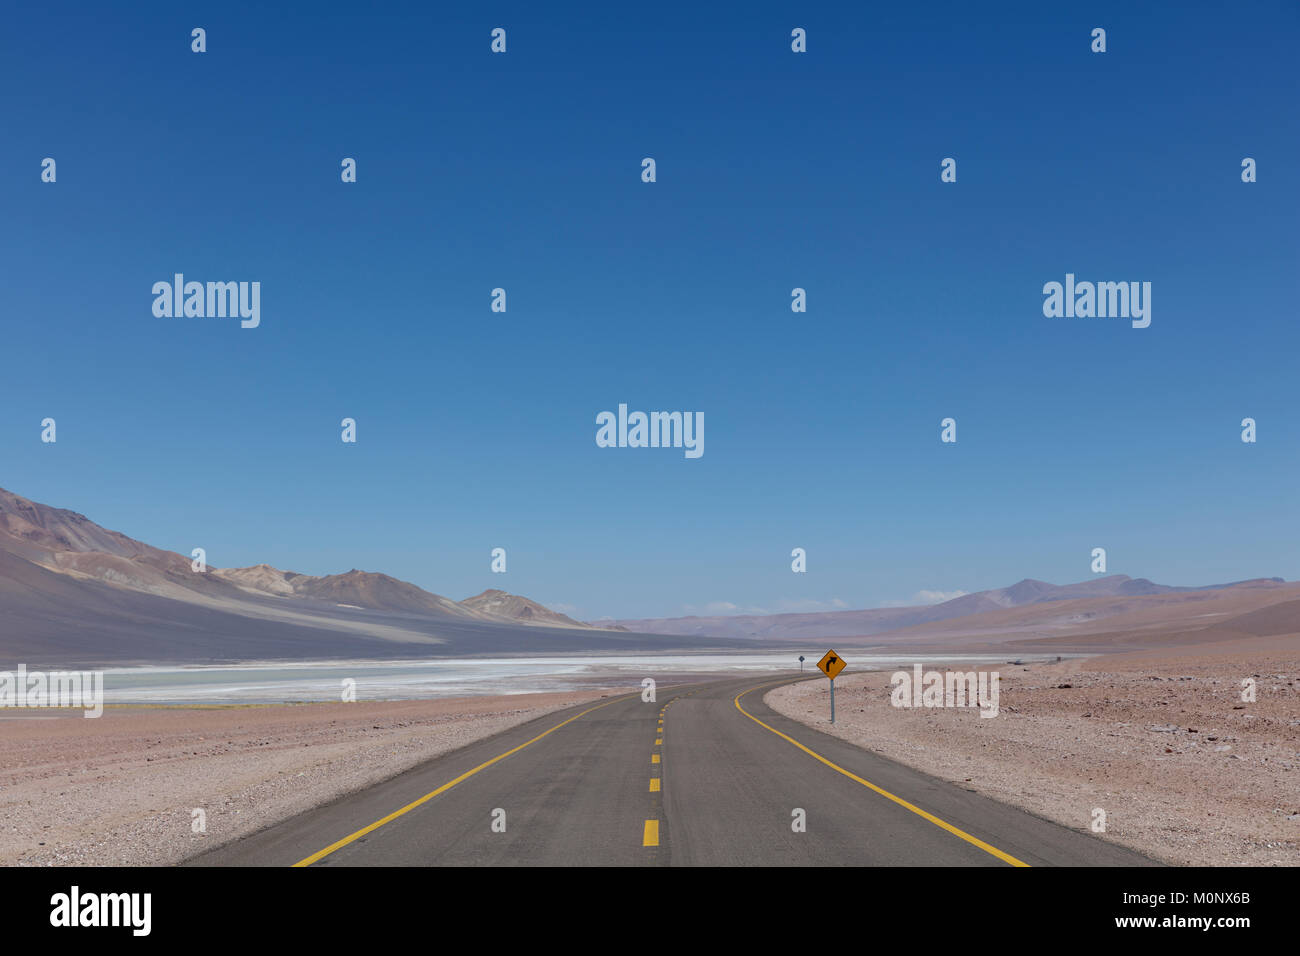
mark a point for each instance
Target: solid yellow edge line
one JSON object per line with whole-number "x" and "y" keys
{"x": 974, "y": 841}
{"x": 321, "y": 854}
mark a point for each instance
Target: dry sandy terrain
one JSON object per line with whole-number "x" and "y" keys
{"x": 119, "y": 790}
{"x": 1186, "y": 771}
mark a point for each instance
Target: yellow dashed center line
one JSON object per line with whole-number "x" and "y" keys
{"x": 651, "y": 835}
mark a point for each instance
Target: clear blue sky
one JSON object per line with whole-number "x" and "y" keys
{"x": 775, "y": 170}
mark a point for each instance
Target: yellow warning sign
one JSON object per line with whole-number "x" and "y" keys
{"x": 831, "y": 664}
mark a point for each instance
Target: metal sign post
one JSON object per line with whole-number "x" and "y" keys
{"x": 830, "y": 665}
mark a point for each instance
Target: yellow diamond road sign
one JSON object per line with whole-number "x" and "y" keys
{"x": 831, "y": 664}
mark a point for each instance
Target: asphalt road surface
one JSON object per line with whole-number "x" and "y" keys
{"x": 707, "y": 775}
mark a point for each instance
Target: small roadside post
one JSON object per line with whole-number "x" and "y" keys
{"x": 830, "y": 665}
{"x": 800, "y": 663}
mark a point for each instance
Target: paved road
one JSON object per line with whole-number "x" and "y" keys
{"x": 716, "y": 783}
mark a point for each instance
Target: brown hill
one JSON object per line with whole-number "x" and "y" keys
{"x": 69, "y": 544}
{"x": 365, "y": 589}
{"x": 512, "y": 607}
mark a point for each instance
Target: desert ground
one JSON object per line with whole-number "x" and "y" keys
{"x": 120, "y": 789}
{"x": 1160, "y": 740}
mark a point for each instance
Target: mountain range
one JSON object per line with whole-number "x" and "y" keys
{"x": 1026, "y": 593}
{"x": 71, "y": 590}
